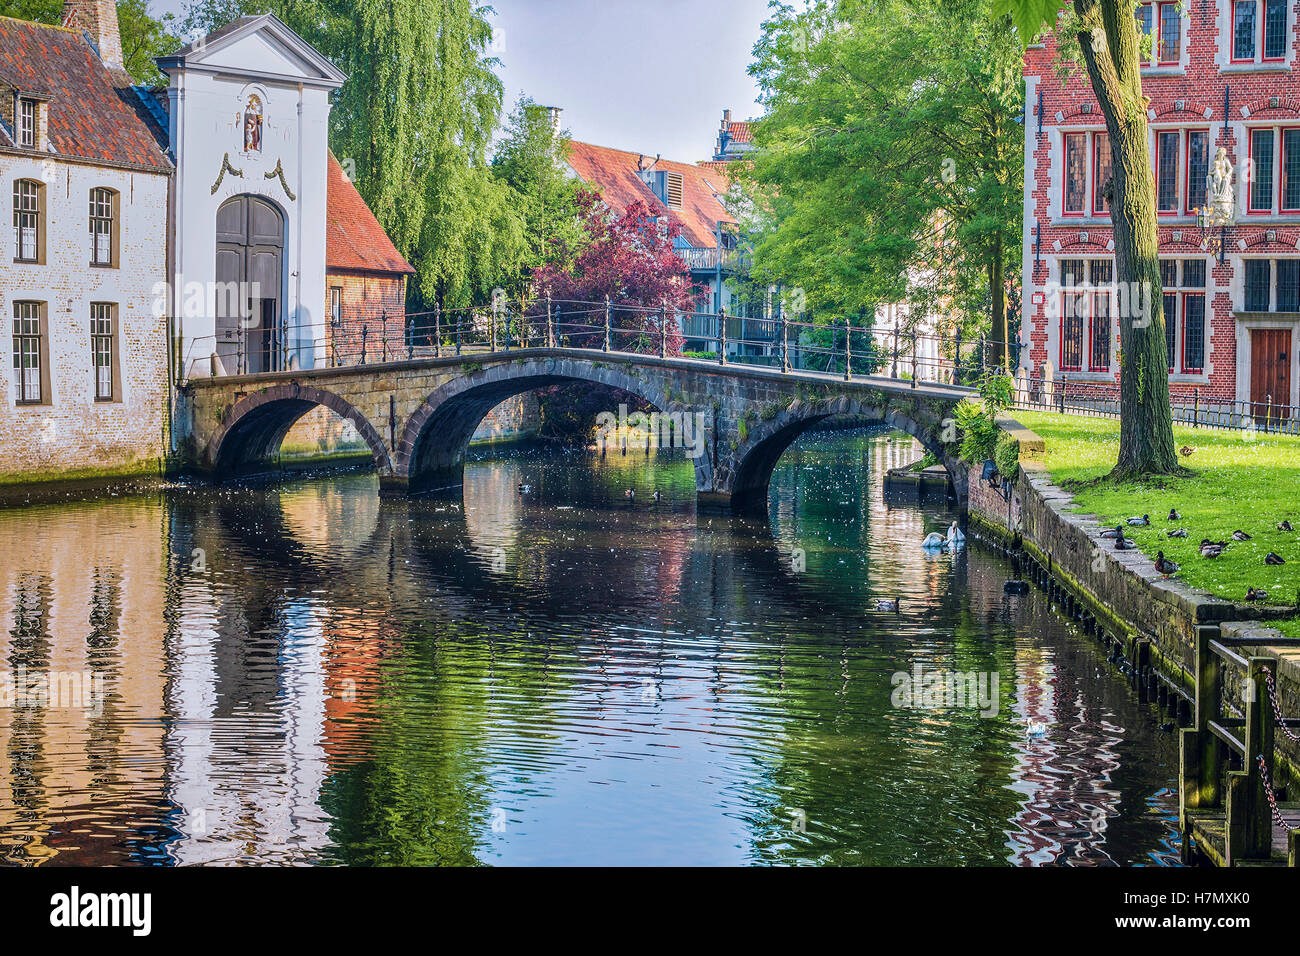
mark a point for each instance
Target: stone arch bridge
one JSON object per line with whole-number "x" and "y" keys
{"x": 418, "y": 416}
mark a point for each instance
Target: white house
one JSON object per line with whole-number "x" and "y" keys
{"x": 248, "y": 109}
{"x": 85, "y": 387}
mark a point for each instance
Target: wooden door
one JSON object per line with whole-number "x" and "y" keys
{"x": 250, "y": 246}
{"x": 1270, "y": 375}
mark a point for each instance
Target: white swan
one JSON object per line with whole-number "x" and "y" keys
{"x": 934, "y": 541}
{"x": 955, "y": 536}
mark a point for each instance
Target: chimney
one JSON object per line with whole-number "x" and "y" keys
{"x": 554, "y": 113}
{"x": 726, "y": 118}
{"x": 97, "y": 19}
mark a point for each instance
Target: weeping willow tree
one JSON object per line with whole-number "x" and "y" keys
{"x": 1106, "y": 37}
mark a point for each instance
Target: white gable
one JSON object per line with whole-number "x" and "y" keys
{"x": 257, "y": 48}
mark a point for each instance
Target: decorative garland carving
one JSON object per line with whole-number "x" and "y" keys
{"x": 278, "y": 172}
{"x": 226, "y": 168}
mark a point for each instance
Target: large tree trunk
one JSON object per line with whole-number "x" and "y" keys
{"x": 1108, "y": 37}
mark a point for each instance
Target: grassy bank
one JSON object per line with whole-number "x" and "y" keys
{"x": 1237, "y": 482}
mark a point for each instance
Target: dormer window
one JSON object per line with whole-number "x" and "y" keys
{"x": 27, "y": 123}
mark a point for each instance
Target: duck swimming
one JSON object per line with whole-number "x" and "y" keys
{"x": 629, "y": 494}
{"x": 657, "y": 496}
{"x": 888, "y": 604}
{"x": 524, "y": 489}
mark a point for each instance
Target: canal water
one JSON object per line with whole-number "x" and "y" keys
{"x": 554, "y": 675}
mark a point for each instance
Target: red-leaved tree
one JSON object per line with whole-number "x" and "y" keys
{"x": 631, "y": 259}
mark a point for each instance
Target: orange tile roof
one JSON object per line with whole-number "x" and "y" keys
{"x": 93, "y": 114}
{"x": 740, "y": 131}
{"x": 614, "y": 173}
{"x": 353, "y": 237}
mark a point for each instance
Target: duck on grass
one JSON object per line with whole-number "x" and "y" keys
{"x": 1229, "y": 515}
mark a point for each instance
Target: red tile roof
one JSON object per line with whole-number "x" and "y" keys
{"x": 354, "y": 240}
{"x": 93, "y": 112}
{"x": 740, "y": 131}
{"x": 614, "y": 173}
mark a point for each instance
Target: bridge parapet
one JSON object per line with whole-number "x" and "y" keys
{"x": 417, "y": 416}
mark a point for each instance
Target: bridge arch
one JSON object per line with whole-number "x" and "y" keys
{"x": 251, "y": 432}
{"x": 745, "y": 475}
{"x": 431, "y": 451}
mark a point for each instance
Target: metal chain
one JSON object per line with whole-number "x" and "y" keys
{"x": 1272, "y": 797}
{"x": 1277, "y": 708}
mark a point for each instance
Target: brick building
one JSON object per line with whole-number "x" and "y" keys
{"x": 1220, "y": 75}
{"x": 690, "y": 195}
{"x": 85, "y": 384}
{"x": 365, "y": 278}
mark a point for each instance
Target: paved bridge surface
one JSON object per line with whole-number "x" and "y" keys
{"x": 418, "y": 416}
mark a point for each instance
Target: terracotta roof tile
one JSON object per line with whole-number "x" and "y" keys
{"x": 614, "y": 173}
{"x": 353, "y": 237}
{"x": 93, "y": 112}
{"x": 741, "y": 131}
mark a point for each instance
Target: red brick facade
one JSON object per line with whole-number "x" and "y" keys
{"x": 1234, "y": 335}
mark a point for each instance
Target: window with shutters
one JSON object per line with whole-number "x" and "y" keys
{"x": 673, "y": 187}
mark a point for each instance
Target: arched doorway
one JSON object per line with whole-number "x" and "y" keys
{"x": 250, "y": 270}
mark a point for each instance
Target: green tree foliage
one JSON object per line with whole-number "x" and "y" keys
{"x": 530, "y": 159}
{"x": 144, "y": 36}
{"x": 890, "y": 142}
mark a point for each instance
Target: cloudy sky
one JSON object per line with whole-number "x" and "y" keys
{"x": 651, "y": 76}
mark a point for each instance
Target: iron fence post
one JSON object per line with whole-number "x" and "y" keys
{"x": 894, "y": 373}
{"x": 914, "y": 360}
{"x": 722, "y": 335}
{"x": 1060, "y": 396}
{"x": 609, "y": 323}
{"x": 848, "y": 348}
{"x": 437, "y": 330}
{"x": 383, "y": 324}
{"x": 785, "y": 344}
{"x": 365, "y": 332}
{"x": 550, "y": 324}
{"x": 663, "y": 331}
{"x": 1196, "y": 406}
{"x": 505, "y": 314}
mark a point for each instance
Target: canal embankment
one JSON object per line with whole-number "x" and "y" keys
{"x": 1150, "y": 622}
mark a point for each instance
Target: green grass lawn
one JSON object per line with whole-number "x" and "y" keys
{"x": 1237, "y": 482}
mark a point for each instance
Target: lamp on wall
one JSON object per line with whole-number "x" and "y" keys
{"x": 1216, "y": 244}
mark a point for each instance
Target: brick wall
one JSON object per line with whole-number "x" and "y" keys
{"x": 375, "y": 304}
{"x": 71, "y": 434}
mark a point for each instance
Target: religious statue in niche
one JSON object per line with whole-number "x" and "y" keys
{"x": 253, "y": 124}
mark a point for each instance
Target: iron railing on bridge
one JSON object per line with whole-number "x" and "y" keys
{"x": 839, "y": 348}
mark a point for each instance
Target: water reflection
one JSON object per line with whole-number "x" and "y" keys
{"x": 307, "y": 674}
